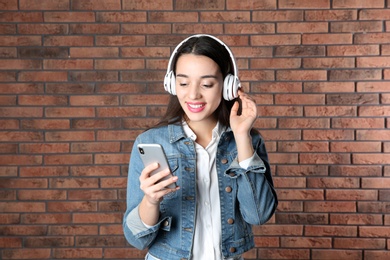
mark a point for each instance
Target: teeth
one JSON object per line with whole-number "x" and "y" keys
{"x": 195, "y": 106}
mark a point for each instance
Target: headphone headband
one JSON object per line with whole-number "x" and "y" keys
{"x": 231, "y": 82}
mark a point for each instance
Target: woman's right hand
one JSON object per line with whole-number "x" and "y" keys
{"x": 153, "y": 188}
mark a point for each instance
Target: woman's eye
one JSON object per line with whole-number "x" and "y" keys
{"x": 207, "y": 85}
{"x": 183, "y": 84}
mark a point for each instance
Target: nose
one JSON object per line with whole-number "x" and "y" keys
{"x": 194, "y": 92}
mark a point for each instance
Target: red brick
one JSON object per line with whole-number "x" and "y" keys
{"x": 20, "y": 41}
{"x": 44, "y": 171}
{"x": 330, "y": 111}
{"x": 284, "y": 253}
{"x": 78, "y": 206}
{"x": 373, "y": 207}
{"x": 328, "y": 134}
{"x": 378, "y": 158}
{"x": 22, "y": 207}
{"x": 27, "y": 253}
{"x": 72, "y": 230}
{"x": 42, "y": 100}
{"x": 372, "y": 87}
{"x": 333, "y": 182}
{"x": 306, "y": 242}
{"x": 214, "y": 29}
{"x": 96, "y": 170}
{"x": 8, "y": 171}
{"x": 43, "y": 29}
{"x": 44, "y": 195}
{"x": 359, "y": 243}
{"x": 369, "y": 135}
{"x": 377, "y": 254}
{"x": 9, "y": 148}
{"x": 21, "y": 230}
{"x": 334, "y": 38}
{"x": 112, "y": 158}
{"x": 357, "y": 4}
{"x": 69, "y": 112}
{"x": 322, "y": 158}
{"x": 69, "y": 88}
{"x": 94, "y": 52}
{"x": 49, "y": 242}
{"x": 74, "y": 64}
{"x": 355, "y": 219}
{"x": 277, "y": 15}
{"x": 67, "y": 253}
{"x": 120, "y": 88}
{"x": 10, "y": 242}
{"x": 325, "y": 231}
{"x": 367, "y": 74}
{"x": 303, "y": 147}
{"x": 302, "y": 27}
{"x": 355, "y": 147}
{"x": 21, "y": 136}
{"x": 96, "y": 4}
{"x": 8, "y": 100}
{"x": 353, "y": 50}
{"x": 332, "y": 254}
{"x": 290, "y": 206}
{"x": 353, "y": 195}
{"x": 357, "y": 123}
{"x": 271, "y": 40}
{"x": 147, "y": 5}
{"x": 21, "y": 88}
{"x": 351, "y": 170}
{"x": 91, "y": 218}
{"x": 372, "y": 38}
{"x": 121, "y": 17}
{"x": 301, "y": 75}
{"x": 237, "y": 16}
{"x": 45, "y": 124}
{"x": 94, "y": 29}
{"x": 43, "y": 5}
{"x": 43, "y": 76}
{"x": 95, "y": 147}
{"x": 7, "y": 76}
{"x": 9, "y": 5}
{"x": 92, "y": 195}
{"x": 44, "y": 148}
{"x": 121, "y": 111}
{"x": 67, "y": 159}
{"x": 264, "y": 242}
{"x": 374, "y": 231}
{"x": 250, "y": 5}
{"x": 330, "y": 15}
{"x": 15, "y": 17}
{"x": 7, "y": 52}
{"x": 70, "y": 17}
{"x": 374, "y": 14}
{"x": 16, "y": 64}
{"x": 300, "y": 194}
{"x": 68, "y": 40}
{"x": 357, "y": 26}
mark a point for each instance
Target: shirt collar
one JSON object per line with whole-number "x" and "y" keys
{"x": 216, "y": 132}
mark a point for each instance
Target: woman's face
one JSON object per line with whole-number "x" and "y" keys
{"x": 199, "y": 86}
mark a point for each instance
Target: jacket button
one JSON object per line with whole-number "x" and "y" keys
{"x": 232, "y": 174}
{"x": 224, "y": 161}
{"x": 166, "y": 223}
{"x": 230, "y": 221}
{"x": 228, "y": 189}
{"x": 232, "y": 249}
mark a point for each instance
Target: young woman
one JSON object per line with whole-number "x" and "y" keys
{"x": 218, "y": 161}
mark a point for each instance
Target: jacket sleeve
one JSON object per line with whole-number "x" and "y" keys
{"x": 136, "y": 233}
{"x": 256, "y": 194}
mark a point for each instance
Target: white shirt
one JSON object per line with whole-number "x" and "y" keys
{"x": 208, "y": 229}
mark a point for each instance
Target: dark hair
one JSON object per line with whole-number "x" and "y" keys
{"x": 211, "y": 48}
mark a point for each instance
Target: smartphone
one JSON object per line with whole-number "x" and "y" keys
{"x": 154, "y": 153}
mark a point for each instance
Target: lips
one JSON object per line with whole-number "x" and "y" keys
{"x": 196, "y": 107}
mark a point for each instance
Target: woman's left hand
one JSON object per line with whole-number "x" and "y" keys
{"x": 242, "y": 124}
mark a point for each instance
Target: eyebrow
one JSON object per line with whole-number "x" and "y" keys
{"x": 203, "y": 77}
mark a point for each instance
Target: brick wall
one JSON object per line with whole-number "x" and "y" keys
{"x": 80, "y": 79}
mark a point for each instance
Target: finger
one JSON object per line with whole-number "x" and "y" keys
{"x": 147, "y": 170}
{"x": 235, "y": 108}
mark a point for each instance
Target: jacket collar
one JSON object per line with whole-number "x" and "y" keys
{"x": 176, "y": 132}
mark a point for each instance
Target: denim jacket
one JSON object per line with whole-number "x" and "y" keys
{"x": 247, "y": 196}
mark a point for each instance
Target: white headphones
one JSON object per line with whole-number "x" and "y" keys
{"x": 231, "y": 83}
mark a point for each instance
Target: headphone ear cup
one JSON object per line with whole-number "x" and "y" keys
{"x": 231, "y": 85}
{"x": 170, "y": 83}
